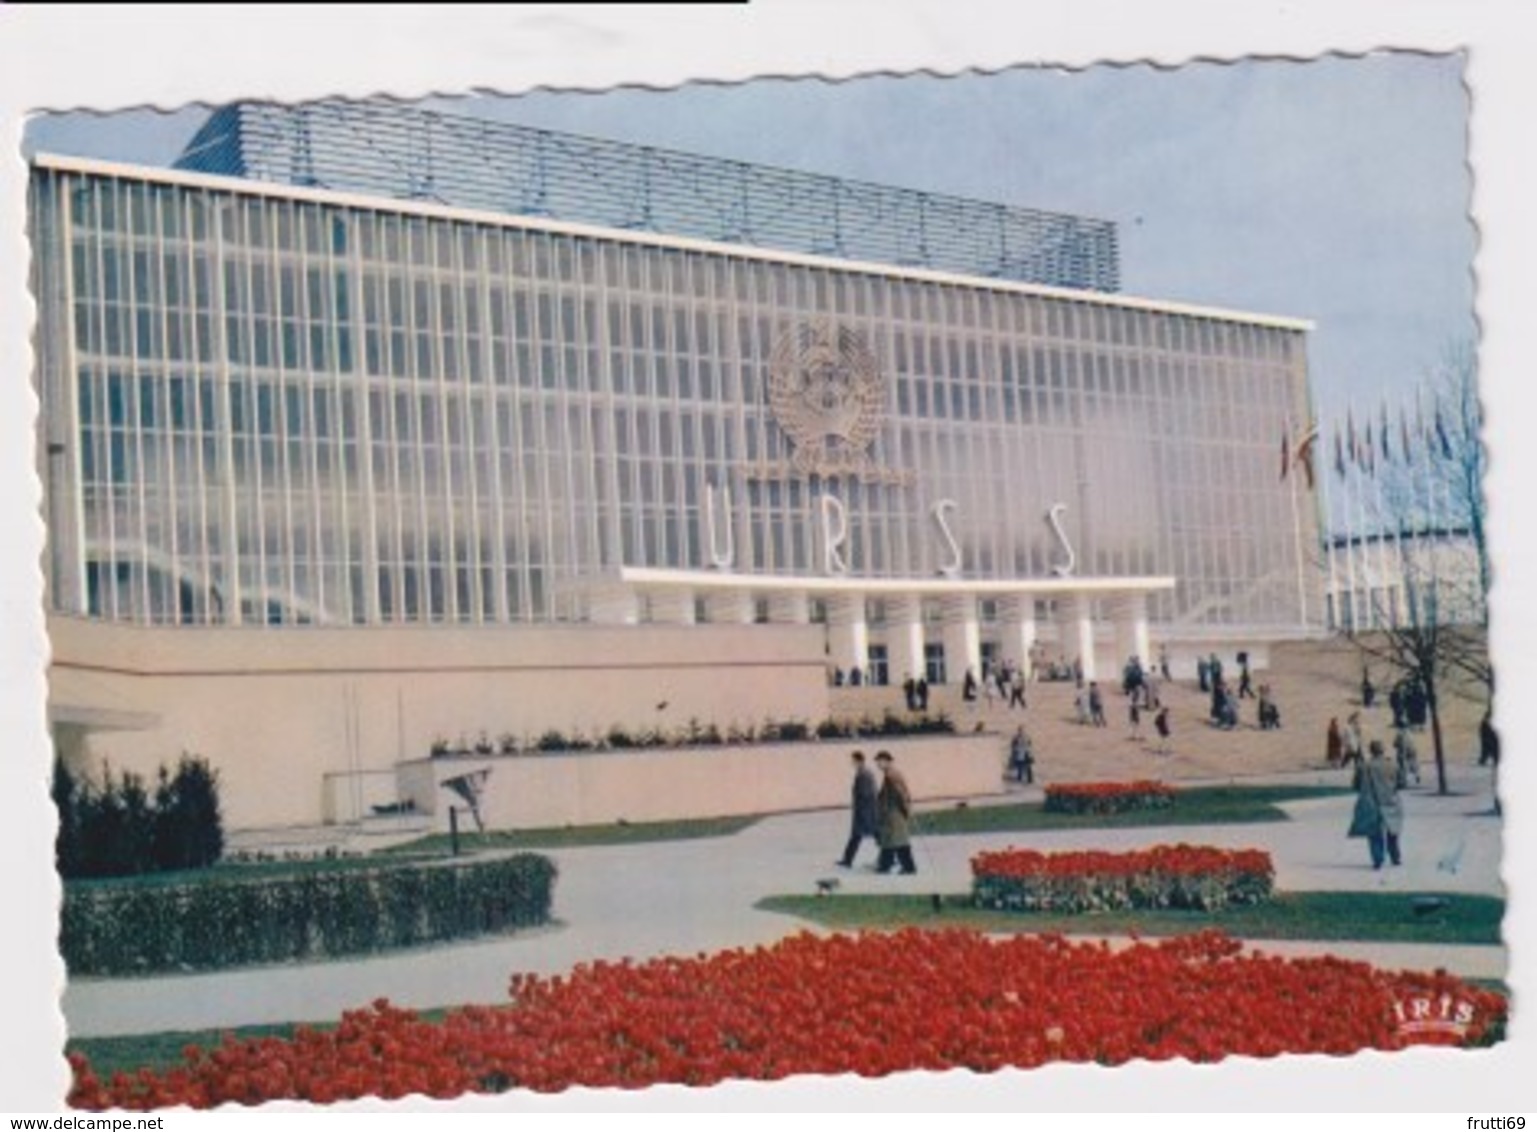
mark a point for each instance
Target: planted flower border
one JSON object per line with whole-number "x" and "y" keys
{"x": 1165, "y": 876}
{"x": 1108, "y": 797}
{"x": 871, "y": 1004}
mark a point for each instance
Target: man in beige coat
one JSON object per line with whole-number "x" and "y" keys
{"x": 895, "y": 804}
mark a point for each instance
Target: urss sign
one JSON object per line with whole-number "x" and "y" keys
{"x": 721, "y": 545}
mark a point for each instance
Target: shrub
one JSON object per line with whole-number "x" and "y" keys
{"x": 117, "y": 829}
{"x": 1165, "y": 876}
{"x": 222, "y": 919}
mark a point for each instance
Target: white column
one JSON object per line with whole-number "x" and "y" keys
{"x": 904, "y": 638}
{"x": 1016, "y": 627}
{"x": 673, "y": 607}
{"x": 1131, "y": 632}
{"x": 613, "y": 605}
{"x": 790, "y": 608}
{"x": 848, "y": 634}
{"x": 1080, "y": 632}
{"x": 962, "y": 637}
{"x": 731, "y": 607}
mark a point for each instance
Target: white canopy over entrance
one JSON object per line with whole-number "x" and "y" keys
{"x": 673, "y": 596}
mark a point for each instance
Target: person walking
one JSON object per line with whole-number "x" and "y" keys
{"x": 1017, "y": 692}
{"x": 969, "y": 688}
{"x": 1406, "y": 759}
{"x": 1021, "y": 757}
{"x": 1096, "y": 705}
{"x": 894, "y": 806}
{"x": 1379, "y": 813}
{"x": 922, "y": 692}
{"x": 1203, "y": 673}
{"x": 1134, "y": 711}
{"x": 1488, "y": 742}
{"x": 1334, "y": 743}
{"x": 1354, "y": 752}
{"x": 1163, "y": 663}
{"x": 1161, "y": 726}
{"x": 865, "y": 817}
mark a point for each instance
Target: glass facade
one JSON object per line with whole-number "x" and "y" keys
{"x": 276, "y": 406}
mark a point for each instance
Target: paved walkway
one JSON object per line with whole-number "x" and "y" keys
{"x": 686, "y": 897}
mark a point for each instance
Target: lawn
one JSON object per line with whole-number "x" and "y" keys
{"x": 1202, "y": 805}
{"x": 576, "y": 836}
{"x": 1367, "y": 916}
{"x": 1198, "y": 805}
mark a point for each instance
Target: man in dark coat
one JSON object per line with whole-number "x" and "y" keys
{"x": 865, "y": 816}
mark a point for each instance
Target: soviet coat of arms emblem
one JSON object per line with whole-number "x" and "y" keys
{"x": 826, "y": 392}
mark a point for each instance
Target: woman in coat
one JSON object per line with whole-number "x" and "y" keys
{"x": 895, "y": 805}
{"x": 1379, "y": 815}
{"x": 1334, "y": 743}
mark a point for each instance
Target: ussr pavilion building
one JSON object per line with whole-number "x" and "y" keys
{"x": 364, "y": 425}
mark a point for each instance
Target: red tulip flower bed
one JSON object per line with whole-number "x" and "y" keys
{"x": 870, "y": 1004}
{"x": 1165, "y": 876}
{"x": 1108, "y": 797}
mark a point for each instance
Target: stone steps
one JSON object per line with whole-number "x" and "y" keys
{"x": 1311, "y": 681}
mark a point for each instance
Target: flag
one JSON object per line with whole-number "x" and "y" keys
{"x": 1441, "y": 437}
{"x": 1382, "y": 435}
{"x": 1351, "y": 444}
{"x": 1286, "y": 452}
{"x": 1339, "y": 453}
{"x": 1406, "y": 450}
{"x": 1305, "y": 453}
{"x": 1368, "y": 450}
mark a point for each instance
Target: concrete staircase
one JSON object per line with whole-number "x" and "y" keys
{"x": 1311, "y": 681}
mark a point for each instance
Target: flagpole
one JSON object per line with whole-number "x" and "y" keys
{"x": 1384, "y": 573}
{"x": 1334, "y": 464}
{"x": 1352, "y": 492}
{"x": 1398, "y": 532}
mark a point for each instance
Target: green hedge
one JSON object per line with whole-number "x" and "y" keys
{"x": 220, "y": 919}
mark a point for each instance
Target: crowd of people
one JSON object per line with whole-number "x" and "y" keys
{"x": 1380, "y": 769}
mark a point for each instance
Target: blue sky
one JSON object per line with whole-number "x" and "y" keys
{"x": 1335, "y": 190}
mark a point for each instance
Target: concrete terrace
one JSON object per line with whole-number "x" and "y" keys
{"x": 686, "y": 897}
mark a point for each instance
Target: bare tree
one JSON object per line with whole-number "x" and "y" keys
{"x": 1428, "y": 514}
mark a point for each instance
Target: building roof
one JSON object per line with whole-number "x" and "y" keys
{"x": 386, "y": 149}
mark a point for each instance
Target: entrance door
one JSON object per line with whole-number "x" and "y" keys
{"x": 879, "y": 673}
{"x": 934, "y": 663}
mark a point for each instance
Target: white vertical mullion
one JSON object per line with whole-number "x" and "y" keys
{"x": 443, "y": 394}
{"x": 258, "y": 496}
{"x": 472, "y": 394}
{"x": 363, "y": 384}
{"x": 316, "y": 504}
{"x": 285, "y": 540}
{"x": 234, "y": 597}
{"x": 490, "y": 462}
{"x": 76, "y": 596}
{"x": 171, "y": 509}
{"x": 197, "y": 426}
{"x": 145, "y": 612}
{"x": 416, "y": 384}
{"x": 501, "y": 394}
